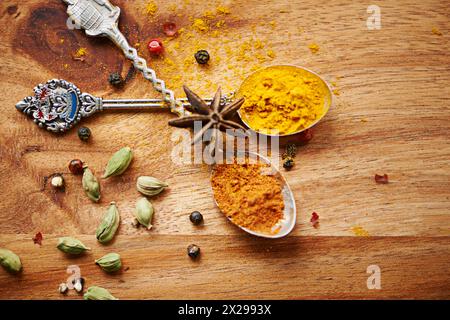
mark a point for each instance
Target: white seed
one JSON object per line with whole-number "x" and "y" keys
{"x": 78, "y": 286}
{"x": 57, "y": 181}
{"x": 63, "y": 288}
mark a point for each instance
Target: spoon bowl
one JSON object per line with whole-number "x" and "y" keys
{"x": 327, "y": 97}
{"x": 287, "y": 223}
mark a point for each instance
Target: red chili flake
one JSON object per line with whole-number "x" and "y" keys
{"x": 305, "y": 136}
{"x": 381, "y": 179}
{"x": 170, "y": 29}
{"x": 38, "y": 238}
{"x": 155, "y": 46}
{"x": 314, "y": 220}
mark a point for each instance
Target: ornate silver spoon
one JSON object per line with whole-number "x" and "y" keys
{"x": 58, "y": 105}
{"x": 101, "y": 18}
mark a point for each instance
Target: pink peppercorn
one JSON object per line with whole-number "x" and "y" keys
{"x": 155, "y": 46}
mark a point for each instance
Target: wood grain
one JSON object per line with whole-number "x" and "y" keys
{"x": 391, "y": 116}
{"x": 241, "y": 267}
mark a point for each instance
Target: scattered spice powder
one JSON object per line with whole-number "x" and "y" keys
{"x": 360, "y": 231}
{"x": 223, "y": 10}
{"x": 336, "y": 90}
{"x": 38, "y": 238}
{"x": 248, "y": 197}
{"x": 271, "y": 54}
{"x": 382, "y": 179}
{"x": 200, "y": 25}
{"x": 258, "y": 44}
{"x": 81, "y": 52}
{"x": 436, "y": 31}
{"x": 220, "y": 23}
{"x": 282, "y": 98}
{"x": 151, "y": 8}
{"x": 314, "y": 47}
{"x": 232, "y": 55}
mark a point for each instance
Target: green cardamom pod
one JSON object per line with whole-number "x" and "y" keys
{"x": 118, "y": 163}
{"x": 108, "y": 227}
{"x": 144, "y": 212}
{"x": 110, "y": 262}
{"x": 10, "y": 261}
{"x": 150, "y": 186}
{"x": 71, "y": 245}
{"x": 98, "y": 293}
{"x": 90, "y": 185}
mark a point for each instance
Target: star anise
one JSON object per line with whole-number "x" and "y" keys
{"x": 214, "y": 116}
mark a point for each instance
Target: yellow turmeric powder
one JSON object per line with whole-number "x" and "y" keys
{"x": 81, "y": 52}
{"x": 248, "y": 197}
{"x": 283, "y": 100}
{"x": 151, "y": 8}
{"x": 200, "y": 25}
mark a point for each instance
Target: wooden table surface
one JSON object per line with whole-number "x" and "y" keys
{"x": 391, "y": 115}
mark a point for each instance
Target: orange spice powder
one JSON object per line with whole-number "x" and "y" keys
{"x": 249, "y": 198}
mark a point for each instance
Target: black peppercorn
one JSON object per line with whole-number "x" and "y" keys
{"x": 84, "y": 133}
{"x": 288, "y": 163}
{"x": 196, "y": 217}
{"x": 116, "y": 79}
{"x": 202, "y": 56}
{"x": 193, "y": 251}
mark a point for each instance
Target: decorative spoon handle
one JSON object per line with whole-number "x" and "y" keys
{"x": 100, "y": 18}
{"x": 58, "y": 105}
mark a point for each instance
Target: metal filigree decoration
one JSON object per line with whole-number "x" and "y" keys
{"x": 213, "y": 117}
{"x": 58, "y": 105}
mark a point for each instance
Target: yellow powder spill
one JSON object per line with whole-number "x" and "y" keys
{"x": 232, "y": 55}
{"x": 270, "y": 54}
{"x": 169, "y": 61}
{"x": 208, "y": 14}
{"x": 220, "y": 23}
{"x": 360, "y": 231}
{"x": 200, "y": 25}
{"x": 223, "y": 10}
{"x": 81, "y": 52}
{"x": 436, "y": 31}
{"x": 313, "y": 47}
{"x": 335, "y": 90}
{"x": 258, "y": 44}
{"x": 172, "y": 7}
{"x": 151, "y": 8}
